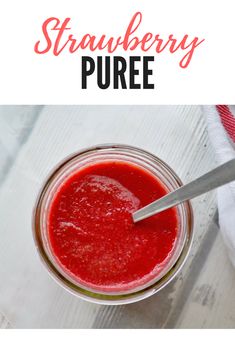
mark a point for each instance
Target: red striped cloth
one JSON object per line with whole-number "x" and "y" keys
{"x": 227, "y": 119}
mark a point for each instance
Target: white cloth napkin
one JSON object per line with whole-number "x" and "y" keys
{"x": 225, "y": 150}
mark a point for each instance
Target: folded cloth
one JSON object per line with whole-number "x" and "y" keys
{"x": 221, "y": 129}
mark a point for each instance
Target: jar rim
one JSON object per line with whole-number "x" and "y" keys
{"x": 88, "y": 293}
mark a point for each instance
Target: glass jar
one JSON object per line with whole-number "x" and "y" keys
{"x": 100, "y": 153}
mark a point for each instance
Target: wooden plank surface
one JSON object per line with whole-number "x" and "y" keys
{"x": 32, "y": 140}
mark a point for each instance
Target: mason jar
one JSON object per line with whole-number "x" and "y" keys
{"x": 111, "y": 152}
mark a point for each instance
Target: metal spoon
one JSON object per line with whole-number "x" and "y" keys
{"x": 209, "y": 181}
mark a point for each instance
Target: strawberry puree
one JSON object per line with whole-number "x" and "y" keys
{"x": 91, "y": 231}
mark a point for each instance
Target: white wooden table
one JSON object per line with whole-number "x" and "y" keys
{"x": 32, "y": 140}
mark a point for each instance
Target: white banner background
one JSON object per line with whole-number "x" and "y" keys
{"x": 28, "y": 78}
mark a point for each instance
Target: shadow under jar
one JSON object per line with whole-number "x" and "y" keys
{"x": 122, "y": 155}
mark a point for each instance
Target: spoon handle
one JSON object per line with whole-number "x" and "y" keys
{"x": 209, "y": 181}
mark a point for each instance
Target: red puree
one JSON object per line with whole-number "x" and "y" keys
{"x": 92, "y": 234}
